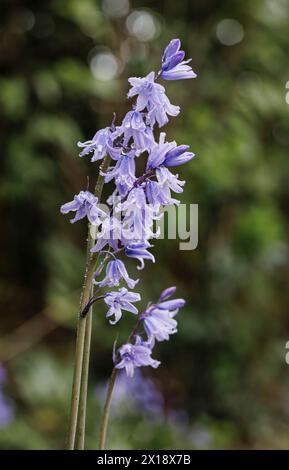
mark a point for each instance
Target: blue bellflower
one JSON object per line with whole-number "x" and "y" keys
{"x": 115, "y": 271}
{"x": 121, "y": 300}
{"x": 85, "y": 205}
{"x": 136, "y": 355}
{"x": 152, "y": 96}
{"x": 139, "y": 251}
{"x": 173, "y": 65}
{"x": 135, "y": 129}
{"x": 158, "y": 319}
{"x": 98, "y": 145}
{"x": 123, "y": 173}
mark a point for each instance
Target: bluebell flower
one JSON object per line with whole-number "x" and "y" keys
{"x": 152, "y": 96}
{"x": 136, "y": 355}
{"x": 173, "y": 65}
{"x": 134, "y": 129}
{"x": 158, "y": 152}
{"x": 121, "y": 300}
{"x": 178, "y": 156}
{"x": 138, "y": 216}
{"x": 167, "y": 293}
{"x": 115, "y": 271}
{"x": 159, "y": 324}
{"x": 158, "y": 319}
{"x": 110, "y": 234}
{"x": 123, "y": 173}
{"x": 85, "y": 205}
{"x": 98, "y": 144}
{"x": 139, "y": 251}
{"x": 159, "y": 192}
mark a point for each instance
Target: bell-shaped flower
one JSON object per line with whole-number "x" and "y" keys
{"x": 152, "y": 96}
{"x": 123, "y": 173}
{"x": 136, "y": 355}
{"x": 139, "y": 250}
{"x": 115, "y": 272}
{"x": 158, "y": 319}
{"x": 85, "y": 205}
{"x": 135, "y": 129}
{"x": 174, "y": 67}
{"x": 138, "y": 216}
{"x": 178, "y": 156}
{"x": 98, "y": 144}
{"x": 120, "y": 300}
{"x": 110, "y": 234}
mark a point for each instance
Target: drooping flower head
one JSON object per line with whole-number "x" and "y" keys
{"x": 115, "y": 272}
{"x": 98, "y": 144}
{"x": 136, "y": 355}
{"x": 152, "y": 96}
{"x": 158, "y": 319}
{"x": 120, "y": 300}
{"x": 85, "y": 205}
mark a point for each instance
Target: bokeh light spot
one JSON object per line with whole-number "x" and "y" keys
{"x": 104, "y": 66}
{"x": 115, "y": 9}
{"x": 229, "y": 32}
{"x": 141, "y": 25}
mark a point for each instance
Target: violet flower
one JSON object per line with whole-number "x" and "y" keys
{"x": 152, "y": 96}
{"x": 136, "y": 355}
{"x": 115, "y": 271}
{"x": 85, "y": 205}
{"x": 140, "y": 252}
{"x": 98, "y": 145}
{"x": 173, "y": 65}
{"x": 134, "y": 204}
{"x": 120, "y": 300}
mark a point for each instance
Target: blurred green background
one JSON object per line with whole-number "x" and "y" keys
{"x": 224, "y": 382}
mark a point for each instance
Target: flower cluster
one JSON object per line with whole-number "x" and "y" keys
{"x": 136, "y": 203}
{"x": 159, "y": 323}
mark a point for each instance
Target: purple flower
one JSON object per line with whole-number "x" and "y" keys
{"x": 167, "y": 293}
{"x": 120, "y": 300}
{"x": 152, "y": 96}
{"x": 136, "y": 355}
{"x": 110, "y": 233}
{"x": 159, "y": 324}
{"x": 173, "y": 65}
{"x": 123, "y": 173}
{"x": 84, "y": 204}
{"x": 115, "y": 271}
{"x": 138, "y": 216}
{"x": 158, "y": 152}
{"x": 98, "y": 145}
{"x": 140, "y": 252}
{"x": 135, "y": 129}
{"x": 178, "y": 156}
{"x": 159, "y": 192}
{"x": 158, "y": 320}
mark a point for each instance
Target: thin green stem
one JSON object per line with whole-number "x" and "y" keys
{"x": 83, "y": 340}
{"x": 84, "y": 381}
{"x": 106, "y": 409}
{"x": 79, "y": 349}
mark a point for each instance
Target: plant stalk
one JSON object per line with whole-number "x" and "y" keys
{"x": 83, "y": 338}
{"x": 106, "y": 409}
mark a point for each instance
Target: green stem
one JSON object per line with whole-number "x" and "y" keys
{"x": 83, "y": 340}
{"x": 84, "y": 381}
{"x": 106, "y": 409}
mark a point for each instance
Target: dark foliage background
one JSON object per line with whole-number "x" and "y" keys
{"x": 224, "y": 382}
